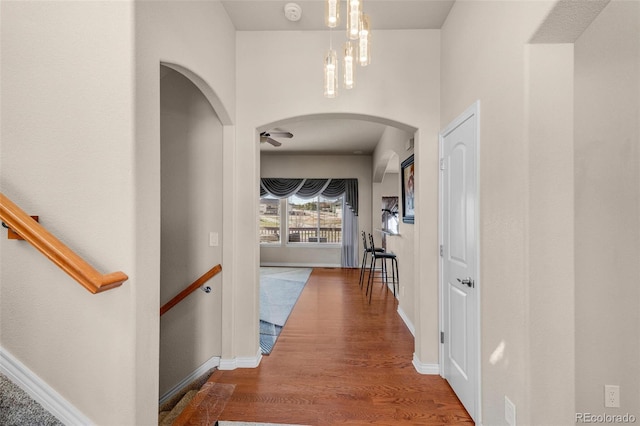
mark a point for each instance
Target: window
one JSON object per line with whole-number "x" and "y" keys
{"x": 315, "y": 220}
{"x": 269, "y": 220}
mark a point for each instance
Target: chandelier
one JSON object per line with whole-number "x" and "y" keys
{"x": 355, "y": 51}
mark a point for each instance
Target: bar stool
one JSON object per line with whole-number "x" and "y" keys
{"x": 366, "y": 251}
{"x": 383, "y": 256}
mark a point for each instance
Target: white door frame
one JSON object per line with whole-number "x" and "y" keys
{"x": 474, "y": 109}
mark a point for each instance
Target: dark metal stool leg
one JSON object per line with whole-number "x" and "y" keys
{"x": 371, "y": 276}
{"x": 363, "y": 267}
{"x": 397, "y": 274}
{"x": 393, "y": 274}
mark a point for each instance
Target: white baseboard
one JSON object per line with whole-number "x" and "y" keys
{"x": 407, "y": 321}
{"x": 430, "y": 369}
{"x": 301, "y": 265}
{"x": 40, "y": 391}
{"x": 208, "y": 365}
{"x": 241, "y": 362}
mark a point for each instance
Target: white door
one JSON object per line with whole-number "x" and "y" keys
{"x": 459, "y": 258}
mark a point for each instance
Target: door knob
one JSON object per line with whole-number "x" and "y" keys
{"x": 466, "y": 281}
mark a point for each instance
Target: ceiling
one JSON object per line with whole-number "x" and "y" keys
{"x": 333, "y": 136}
{"x": 328, "y": 136}
{"x": 268, "y": 15}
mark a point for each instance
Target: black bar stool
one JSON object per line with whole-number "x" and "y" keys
{"x": 383, "y": 256}
{"x": 366, "y": 251}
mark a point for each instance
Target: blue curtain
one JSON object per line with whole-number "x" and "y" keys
{"x": 349, "y": 257}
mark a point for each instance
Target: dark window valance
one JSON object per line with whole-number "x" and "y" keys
{"x": 309, "y": 188}
{"x": 280, "y": 188}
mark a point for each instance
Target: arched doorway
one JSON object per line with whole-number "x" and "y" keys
{"x": 331, "y": 154}
{"x": 191, "y": 134}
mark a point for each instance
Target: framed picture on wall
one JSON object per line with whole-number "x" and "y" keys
{"x": 408, "y": 190}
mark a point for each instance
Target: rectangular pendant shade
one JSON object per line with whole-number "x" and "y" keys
{"x": 356, "y": 50}
{"x": 332, "y": 13}
{"x": 353, "y": 19}
{"x": 331, "y": 74}
{"x": 349, "y": 65}
{"x": 364, "y": 42}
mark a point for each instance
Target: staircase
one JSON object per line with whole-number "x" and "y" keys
{"x": 19, "y": 408}
{"x": 199, "y": 406}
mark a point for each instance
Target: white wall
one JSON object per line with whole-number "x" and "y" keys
{"x": 392, "y": 147}
{"x": 607, "y": 170}
{"x": 191, "y": 188}
{"x": 553, "y": 271}
{"x": 390, "y": 186}
{"x": 324, "y": 166}
{"x": 291, "y": 86}
{"x": 551, "y": 276}
{"x": 198, "y": 39}
{"x": 67, "y": 134}
{"x": 81, "y": 148}
{"x": 484, "y": 57}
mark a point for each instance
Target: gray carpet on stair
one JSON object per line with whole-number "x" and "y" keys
{"x": 17, "y": 408}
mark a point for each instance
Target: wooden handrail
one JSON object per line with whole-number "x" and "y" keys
{"x": 56, "y": 251}
{"x": 192, "y": 287}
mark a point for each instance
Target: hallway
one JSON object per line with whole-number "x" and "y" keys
{"x": 340, "y": 360}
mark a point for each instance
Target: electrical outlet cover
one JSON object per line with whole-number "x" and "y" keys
{"x": 612, "y": 396}
{"x": 509, "y": 412}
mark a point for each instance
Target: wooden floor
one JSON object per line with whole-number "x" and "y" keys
{"x": 340, "y": 361}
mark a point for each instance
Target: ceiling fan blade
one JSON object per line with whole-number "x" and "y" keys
{"x": 280, "y": 134}
{"x": 272, "y": 141}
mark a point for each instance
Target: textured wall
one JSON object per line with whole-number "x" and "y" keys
{"x": 81, "y": 148}
{"x": 551, "y": 275}
{"x": 67, "y": 133}
{"x": 483, "y": 58}
{"x": 198, "y": 39}
{"x": 607, "y": 171}
{"x": 392, "y": 148}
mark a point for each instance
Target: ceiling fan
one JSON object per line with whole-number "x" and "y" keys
{"x": 266, "y": 136}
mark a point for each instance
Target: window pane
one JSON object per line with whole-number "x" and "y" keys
{"x": 269, "y": 220}
{"x": 317, "y": 220}
{"x": 330, "y": 220}
{"x": 303, "y": 219}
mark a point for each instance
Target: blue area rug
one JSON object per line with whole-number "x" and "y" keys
{"x": 279, "y": 292}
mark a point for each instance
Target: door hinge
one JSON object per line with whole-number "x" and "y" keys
{"x": 442, "y": 164}
{"x": 442, "y": 337}
{"x": 441, "y": 250}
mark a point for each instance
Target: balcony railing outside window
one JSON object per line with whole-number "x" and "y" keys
{"x": 315, "y": 221}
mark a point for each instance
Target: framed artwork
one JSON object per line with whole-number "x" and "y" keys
{"x": 408, "y": 190}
